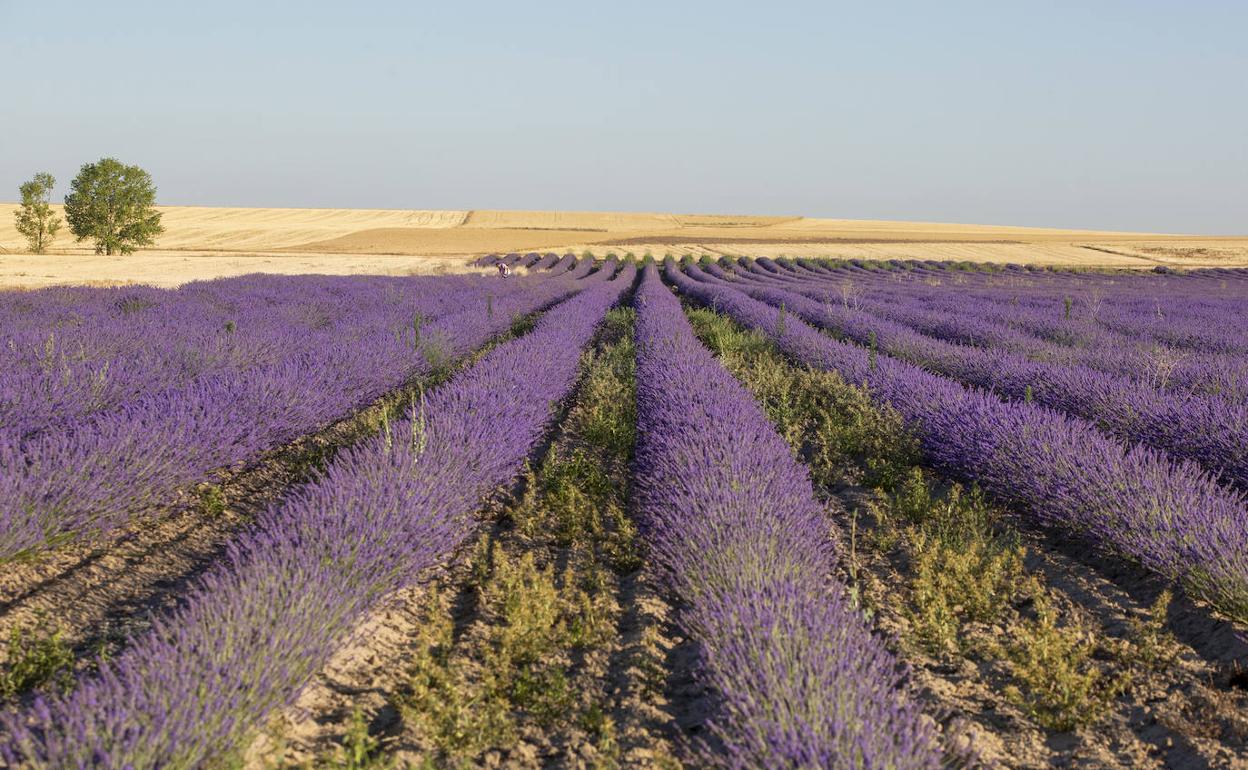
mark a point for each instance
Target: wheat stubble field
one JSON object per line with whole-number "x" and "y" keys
{"x": 203, "y": 242}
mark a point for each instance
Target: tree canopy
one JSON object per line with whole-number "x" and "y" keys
{"x": 34, "y": 217}
{"x": 114, "y": 205}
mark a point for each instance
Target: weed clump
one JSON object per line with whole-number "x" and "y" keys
{"x": 1057, "y": 681}
{"x": 35, "y": 658}
{"x": 360, "y": 750}
{"x": 211, "y": 500}
{"x": 1149, "y": 644}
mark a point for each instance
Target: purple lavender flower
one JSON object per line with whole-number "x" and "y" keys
{"x": 733, "y": 527}
{"x": 260, "y": 624}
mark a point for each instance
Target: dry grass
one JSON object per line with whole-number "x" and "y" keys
{"x": 202, "y": 242}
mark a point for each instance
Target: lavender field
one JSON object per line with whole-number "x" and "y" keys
{"x": 618, "y": 512}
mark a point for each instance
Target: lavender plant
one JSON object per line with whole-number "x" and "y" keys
{"x": 256, "y": 627}
{"x": 1171, "y": 517}
{"x": 733, "y": 528}
{"x": 86, "y": 479}
{"x": 1209, "y": 430}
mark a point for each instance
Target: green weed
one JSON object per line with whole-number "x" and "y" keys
{"x": 458, "y": 715}
{"x": 1151, "y": 645}
{"x": 35, "y": 658}
{"x": 601, "y": 726}
{"x": 211, "y": 500}
{"x": 953, "y": 585}
{"x": 359, "y": 750}
{"x": 1057, "y": 682}
{"x": 522, "y": 324}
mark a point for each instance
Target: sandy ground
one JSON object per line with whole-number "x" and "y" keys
{"x": 203, "y": 242}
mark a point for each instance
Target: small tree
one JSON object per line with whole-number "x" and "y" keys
{"x": 114, "y": 205}
{"x": 35, "y": 219}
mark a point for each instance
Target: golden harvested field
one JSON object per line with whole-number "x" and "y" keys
{"x": 205, "y": 242}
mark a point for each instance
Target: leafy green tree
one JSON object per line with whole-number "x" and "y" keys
{"x": 34, "y": 216}
{"x": 114, "y": 205}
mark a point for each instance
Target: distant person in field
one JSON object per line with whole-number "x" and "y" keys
{"x": 503, "y": 270}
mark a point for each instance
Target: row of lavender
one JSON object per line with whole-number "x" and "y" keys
{"x": 1179, "y": 390}
{"x": 733, "y": 527}
{"x": 69, "y": 353}
{"x": 257, "y": 627}
{"x": 530, "y": 261}
{"x": 1140, "y": 295}
{"x": 1049, "y": 336}
{"x": 1140, "y": 304}
{"x": 1079, "y": 340}
{"x": 1211, "y": 430}
{"x": 91, "y": 475}
{"x": 1075, "y": 307}
{"x": 1063, "y": 472}
{"x": 1206, "y": 315}
{"x": 1163, "y": 336}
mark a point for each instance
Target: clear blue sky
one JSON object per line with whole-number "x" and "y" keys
{"x": 1106, "y": 114}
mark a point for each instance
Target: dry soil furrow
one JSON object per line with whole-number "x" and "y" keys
{"x": 1184, "y": 714}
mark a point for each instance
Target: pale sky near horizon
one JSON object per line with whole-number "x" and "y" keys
{"x": 1109, "y": 114}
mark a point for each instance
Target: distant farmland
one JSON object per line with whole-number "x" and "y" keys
{"x": 214, "y": 242}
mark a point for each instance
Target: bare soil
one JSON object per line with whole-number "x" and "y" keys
{"x": 631, "y": 673}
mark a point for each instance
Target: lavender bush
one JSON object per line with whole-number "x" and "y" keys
{"x": 733, "y": 526}
{"x": 89, "y": 477}
{"x": 1208, "y": 430}
{"x": 257, "y": 626}
{"x": 1169, "y": 516}
{"x": 1030, "y": 320}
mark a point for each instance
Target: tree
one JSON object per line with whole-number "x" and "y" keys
{"x": 34, "y": 216}
{"x": 114, "y": 205}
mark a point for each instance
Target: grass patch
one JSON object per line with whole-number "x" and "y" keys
{"x": 211, "y": 500}
{"x": 965, "y": 564}
{"x": 360, "y": 750}
{"x": 1149, "y": 644}
{"x": 460, "y": 721}
{"x": 522, "y": 324}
